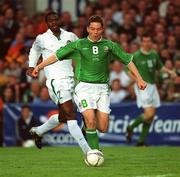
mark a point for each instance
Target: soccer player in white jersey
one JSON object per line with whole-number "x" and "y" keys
{"x": 60, "y": 80}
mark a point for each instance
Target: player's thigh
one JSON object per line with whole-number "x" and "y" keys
{"x": 89, "y": 118}
{"x": 67, "y": 110}
{"x": 102, "y": 120}
{"x": 103, "y": 103}
{"x": 66, "y": 107}
{"x": 84, "y": 97}
{"x": 103, "y": 110}
{"x": 149, "y": 113}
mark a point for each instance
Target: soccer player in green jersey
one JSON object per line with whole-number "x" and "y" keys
{"x": 148, "y": 63}
{"x": 91, "y": 93}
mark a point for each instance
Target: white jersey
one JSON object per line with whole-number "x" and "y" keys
{"x": 47, "y": 44}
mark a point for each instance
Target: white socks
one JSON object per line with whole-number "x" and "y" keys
{"x": 73, "y": 127}
{"x": 52, "y": 122}
{"x": 75, "y": 131}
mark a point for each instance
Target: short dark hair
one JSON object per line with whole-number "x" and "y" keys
{"x": 146, "y": 35}
{"x": 48, "y": 14}
{"x": 25, "y": 106}
{"x": 95, "y": 18}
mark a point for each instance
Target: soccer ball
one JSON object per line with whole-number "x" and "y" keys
{"x": 94, "y": 158}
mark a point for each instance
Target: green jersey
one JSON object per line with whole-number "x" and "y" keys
{"x": 94, "y": 58}
{"x": 147, "y": 64}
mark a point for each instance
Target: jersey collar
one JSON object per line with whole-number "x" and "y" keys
{"x": 145, "y": 52}
{"x": 61, "y": 32}
{"x": 94, "y": 41}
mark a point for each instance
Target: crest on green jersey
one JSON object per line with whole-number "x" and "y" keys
{"x": 106, "y": 48}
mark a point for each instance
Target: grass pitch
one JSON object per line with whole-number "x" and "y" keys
{"x": 68, "y": 162}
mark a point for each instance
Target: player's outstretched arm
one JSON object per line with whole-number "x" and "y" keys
{"x": 140, "y": 82}
{"x": 170, "y": 72}
{"x": 50, "y": 60}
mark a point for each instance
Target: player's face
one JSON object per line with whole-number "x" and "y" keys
{"x": 25, "y": 113}
{"x": 146, "y": 43}
{"x": 95, "y": 31}
{"x": 53, "y": 23}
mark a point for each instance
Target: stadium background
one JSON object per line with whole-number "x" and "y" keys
{"x": 125, "y": 22}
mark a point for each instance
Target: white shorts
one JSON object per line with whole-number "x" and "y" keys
{"x": 92, "y": 96}
{"x": 60, "y": 90}
{"x": 148, "y": 97}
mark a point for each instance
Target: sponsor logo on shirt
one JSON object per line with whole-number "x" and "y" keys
{"x": 85, "y": 48}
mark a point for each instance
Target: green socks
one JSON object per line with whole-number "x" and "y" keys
{"x": 92, "y": 138}
{"x": 136, "y": 122}
{"x": 145, "y": 128}
{"x": 145, "y": 131}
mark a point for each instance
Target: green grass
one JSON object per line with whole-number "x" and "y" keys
{"x": 68, "y": 162}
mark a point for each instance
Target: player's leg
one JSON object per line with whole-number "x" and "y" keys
{"x": 68, "y": 111}
{"x": 129, "y": 130}
{"x": 91, "y": 133}
{"x": 53, "y": 121}
{"x": 38, "y": 132}
{"x": 84, "y": 98}
{"x": 102, "y": 120}
{"x": 142, "y": 100}
{"x": 103, "y": 110}
{"x": 58, "y": 96}
{"x": 149, "y": 113}
{"x": 149, "y": 100}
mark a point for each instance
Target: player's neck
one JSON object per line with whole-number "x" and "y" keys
{"x": 145, "y": 51}
{"x": 56, "y": 33}
{"x": 93, "y": 39}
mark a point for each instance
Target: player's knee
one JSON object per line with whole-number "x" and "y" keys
{"x": 149, "y": 116}
{"x": 103, "y": 129}
{"x": 70, "y": 115}
{"x": 90, "y": 123}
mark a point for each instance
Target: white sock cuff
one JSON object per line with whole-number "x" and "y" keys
{"x": 55, "y": 118}
{"x": 71, "y": 122}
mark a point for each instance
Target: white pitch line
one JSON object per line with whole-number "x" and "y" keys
{"x": 165, "y": 175}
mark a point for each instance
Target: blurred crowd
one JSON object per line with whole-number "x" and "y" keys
{"x": 125, "y": 22}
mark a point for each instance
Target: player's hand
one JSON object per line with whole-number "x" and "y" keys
{"x": 35, "y": 72}
{"x": 141, "y": 84}
{"x": 29, "y": 71}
